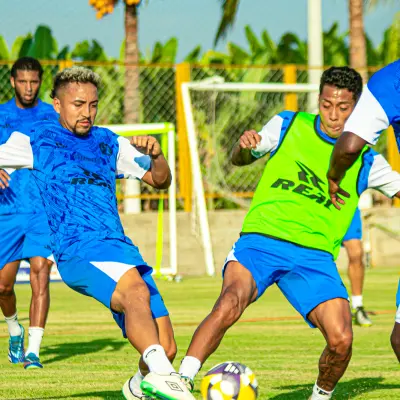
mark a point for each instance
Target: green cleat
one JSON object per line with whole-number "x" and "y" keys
{"x": 361, "y": 318}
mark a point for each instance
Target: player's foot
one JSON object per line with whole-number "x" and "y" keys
{"x": 361, "y": 317}
{"x": 16, "y": 352}
{"x": 32, "y": 361}
{"x": 165, "y": 387}
{"x": 132, "y": 391}
{"x": 188, "y": 383}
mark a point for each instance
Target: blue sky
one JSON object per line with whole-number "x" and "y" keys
{"x": 193, "y": 22}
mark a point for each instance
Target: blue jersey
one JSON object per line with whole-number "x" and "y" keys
{"x": 22, "y": 196}
{"x": 379, "y": 106}
{"x": 76, "y": 176}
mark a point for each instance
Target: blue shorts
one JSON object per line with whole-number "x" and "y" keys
{"x": 355, "y": 228}
{"x": 24, "y": 236}
{"x": 306, "y": 277}
{"x": 96, "y": 266}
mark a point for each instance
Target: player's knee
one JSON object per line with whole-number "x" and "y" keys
{"x": 133, "y": 295}
{"x": 356, "y": 258}
{"x": 341, "y": 342}
{"x": 6, "y": 290}
{"x": 41, "y": 267}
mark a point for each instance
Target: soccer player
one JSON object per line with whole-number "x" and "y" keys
{"x": 24, "y": 230}
{"x": 356, "y": 269}
{"x": 378, "y": 108}
{"x": 292, "y": 232}
{"x": 75, "y": 165}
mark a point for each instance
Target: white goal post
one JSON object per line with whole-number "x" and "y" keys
{"x": 217, "y": 85}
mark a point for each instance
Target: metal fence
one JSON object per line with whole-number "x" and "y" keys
{"x": 160, "y": 101}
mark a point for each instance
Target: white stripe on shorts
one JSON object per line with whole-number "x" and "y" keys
{"x": 398, "y": 315}
{"x": 112, "y": 268}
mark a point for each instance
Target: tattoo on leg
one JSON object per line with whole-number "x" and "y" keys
{"x": 332, "y": 366}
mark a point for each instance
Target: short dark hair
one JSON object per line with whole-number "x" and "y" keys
{"x": 26, "y": 64}
{"x": 343, "y": 78}
{"x": 74, "y": 74}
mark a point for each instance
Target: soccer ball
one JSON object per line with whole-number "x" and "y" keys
{"x": 229, "y": 381}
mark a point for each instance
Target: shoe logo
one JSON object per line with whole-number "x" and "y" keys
{"x": 174, "y": 386}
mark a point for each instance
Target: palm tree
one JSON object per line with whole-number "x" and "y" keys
{"x": 358, "y": 47}
{"x": 131, "y": 87}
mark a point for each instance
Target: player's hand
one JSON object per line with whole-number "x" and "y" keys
{"x": 335, "y": 191}
{"x": 249, "y": 139}
{"x": 147, "y": 145}
{"x": 4, "y": 179}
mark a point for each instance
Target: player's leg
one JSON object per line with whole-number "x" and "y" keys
{"x": 251, "y": 267}
{"x": 167, "y": 341}
{"x": 239, "y": 290}
{"x": 12, "y": 238}
{"x": 333, "y": 319}
{"x": 8, "y": 304}
{"x": 40, "y": 303}
{"x": 395, "y": 337}
{"x": 316, "y": 290}
{"x": 142, "y": 331}
{"x": 120, "y": 287}
{"x": 36, "y": 249}
{"x": 356, "y": 269}
{"x": 356, "y": 273}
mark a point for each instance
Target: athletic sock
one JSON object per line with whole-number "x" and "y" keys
{"x": 356, "y": 301}
{"x": 35, "y": 340}
{"x": 320, "y": 394}
{"x": 190, "y": 366}
{"x": 14, "y": 327}
{"x": 157, "y": 361}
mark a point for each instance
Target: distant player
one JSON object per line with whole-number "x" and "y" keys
{"x": 75, "y": 165}
{"x": 24, "y": 231}
{"x": 356, "y": 269}
{"x": 292, "y": 232}
{"x": 378, "y": 108}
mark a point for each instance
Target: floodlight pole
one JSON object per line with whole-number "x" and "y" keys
{"x": 315, "y": 49}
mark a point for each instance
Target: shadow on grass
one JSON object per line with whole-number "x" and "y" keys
{"x": 345, "y": 390}
{"x": 63, "y": 351}
{"x": 104, "y": 395}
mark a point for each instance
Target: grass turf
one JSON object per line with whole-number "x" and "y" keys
{"x": 85, "y": 357}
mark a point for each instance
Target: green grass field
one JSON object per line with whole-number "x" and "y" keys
{"x": 85, "y": 357}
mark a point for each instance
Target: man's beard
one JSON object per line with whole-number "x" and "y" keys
{"x": 23, "y": 102}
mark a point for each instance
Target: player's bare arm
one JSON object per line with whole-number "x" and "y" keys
{"x": 241, "y": 154}
{"x": 159, "y": 174}
{"x": 4, "y": 179}
{"x": 347, "y": 149}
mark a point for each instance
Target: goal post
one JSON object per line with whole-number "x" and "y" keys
{"x": 166, "y": 131}
{"x": 216, "y": 114}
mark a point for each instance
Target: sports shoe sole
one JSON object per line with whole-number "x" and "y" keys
{"x": 149, "y": 390}
{"x": 128, "y": 395}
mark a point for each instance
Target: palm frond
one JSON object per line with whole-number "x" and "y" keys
{"x": 229, "y": 11}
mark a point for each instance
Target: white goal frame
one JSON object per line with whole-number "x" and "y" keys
{"x": 218, "y": 84}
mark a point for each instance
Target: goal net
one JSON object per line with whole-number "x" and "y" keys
{"x": 216, "y": 114}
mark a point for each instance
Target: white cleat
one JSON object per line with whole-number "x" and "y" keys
{"x": 132, "y": 391}
{"x": 165, "y": 387}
